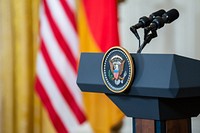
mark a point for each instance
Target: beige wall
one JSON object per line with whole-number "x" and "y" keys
{"x": 180, "y": 37}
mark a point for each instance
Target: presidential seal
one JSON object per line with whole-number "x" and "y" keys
{"x": 117, "y": 69}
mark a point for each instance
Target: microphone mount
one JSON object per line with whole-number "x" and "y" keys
{"x": 147, "y": 40}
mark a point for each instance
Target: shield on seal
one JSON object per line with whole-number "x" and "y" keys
{"x": 116, "y": 74}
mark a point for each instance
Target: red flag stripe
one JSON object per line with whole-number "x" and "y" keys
{"x": 63, "y": 44}
{"x": 62, "y": 86}
{"x": 58, "y": 102}
{"x": 69, "y": 13}
{"x": 64, "y": 25}
{"x": 52, "y": 113}
{"x": 57, "y": 64}
{"x": 60, "y": 61}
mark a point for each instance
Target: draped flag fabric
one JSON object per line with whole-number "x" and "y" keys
{"x": 57, "y": 65}
{"x": 98, "y": 31}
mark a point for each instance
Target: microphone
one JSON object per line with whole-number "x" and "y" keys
{"x": 155, "y": 14}
{"x": 166, "y": 18}
{"x": 145, "y": 21}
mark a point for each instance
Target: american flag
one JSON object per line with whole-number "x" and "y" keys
{"x": 57, "y": 64}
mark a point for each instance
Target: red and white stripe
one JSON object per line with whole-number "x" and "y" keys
{"x": 57, "y": 65}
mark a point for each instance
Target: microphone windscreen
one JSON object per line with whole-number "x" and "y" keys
{"x": 170, "y": 16}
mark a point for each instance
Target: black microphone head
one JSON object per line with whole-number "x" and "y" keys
{"x": 144, "y": 21}
{"x": 170, "y": 16}
{"x": 159, "y": 22}
{"x": 155, "y": 14}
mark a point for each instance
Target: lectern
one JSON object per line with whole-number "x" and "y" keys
{"x": 166, "y": 87}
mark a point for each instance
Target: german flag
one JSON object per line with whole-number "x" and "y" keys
{"x": 98, "y": 31}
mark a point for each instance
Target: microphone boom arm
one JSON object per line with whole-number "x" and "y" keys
{"x": 147, "y": 39}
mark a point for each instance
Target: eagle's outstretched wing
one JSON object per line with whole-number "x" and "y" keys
{"x": 111, "y": 66}
{"x": 121, "y": 68}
